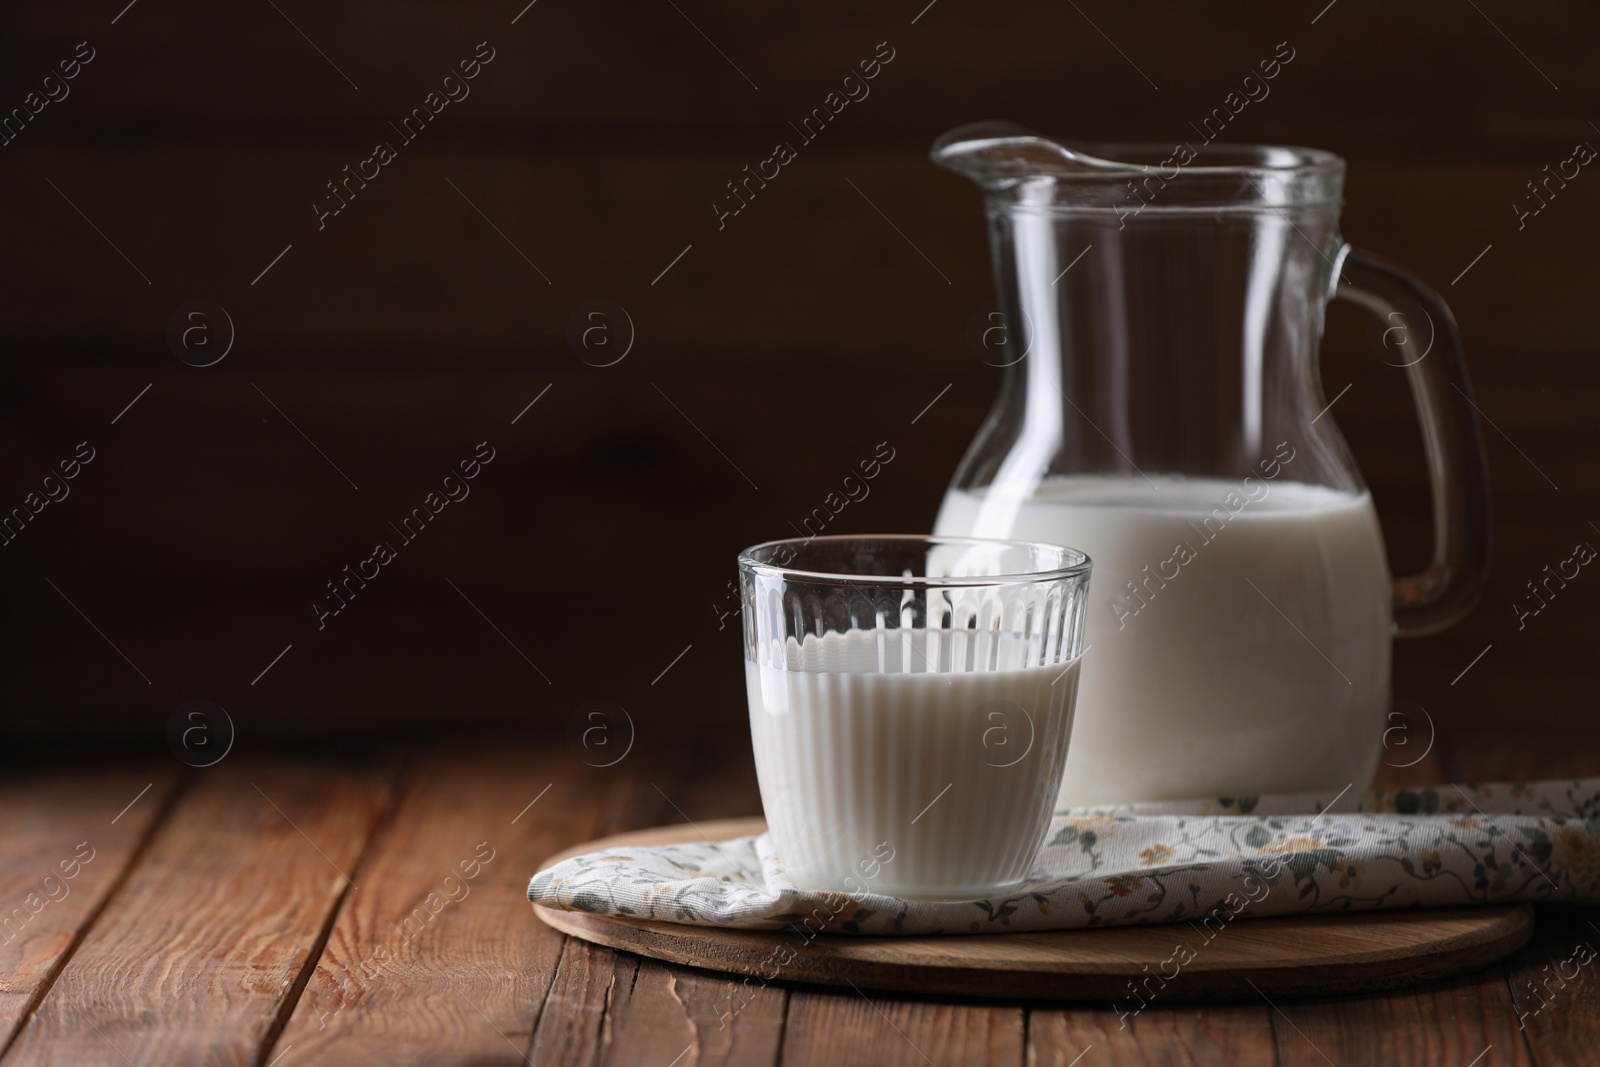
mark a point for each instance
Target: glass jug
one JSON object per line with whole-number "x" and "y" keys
{"x": 1160, "y": 408}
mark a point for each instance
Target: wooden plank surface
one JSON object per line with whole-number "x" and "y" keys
{"x": 1555, "y": 989}
{"x": 200, "y": 952}
{"x": 437, "y": 947}
{"x": 828, "y": 1029}
{"x": 1464, "y": 1021}
{"x": 705, "y": 1019}
{"x": 720, "y": 1019}
{"x": 613, "y": 1008}
{"x": 1239, "y": 1035}
{"x": 65, "y": 842}
{"x": 575, "y": 1025}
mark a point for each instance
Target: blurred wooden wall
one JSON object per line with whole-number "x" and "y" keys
{"x": 773, "y": 355}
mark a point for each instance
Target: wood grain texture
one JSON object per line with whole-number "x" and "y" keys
{"x": 615, "y": 1008}
{"x": 1239, "y": 1035}
{"x": 1284, "y": 956}
{"x": 576, "y": 1024}
{"x": 1453, "y": 1022}
{"x": 608, "y": 1007}
{"x": 827, "y": 1029}
{"x": 436, "y": 949}
{"x": 720, "y": 1019}
{"x": 723, "y": 1019}
{"x": 201, "y": 950}
{"x": 65, "y": 841}
{"x": 201, "y": 947}
{"x": 1555, "y": 990}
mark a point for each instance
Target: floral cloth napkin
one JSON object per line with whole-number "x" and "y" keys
{"x": 1153, "y": 863}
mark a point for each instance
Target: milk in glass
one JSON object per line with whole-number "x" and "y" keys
{"x": 910, "y": 762}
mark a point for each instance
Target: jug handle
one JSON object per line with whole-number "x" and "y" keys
{"x": 1424, "y": 335}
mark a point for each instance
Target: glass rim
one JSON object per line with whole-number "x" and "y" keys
{"x": 968, "y": 151}
{"x": 1248, "y": 157}
{"x": 1080, "y": 566}
{"x": 1017, "y": 167}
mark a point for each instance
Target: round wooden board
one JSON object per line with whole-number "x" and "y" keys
{"x": 1289, "y": 956}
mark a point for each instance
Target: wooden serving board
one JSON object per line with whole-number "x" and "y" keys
{"x": 1287, "y": 956}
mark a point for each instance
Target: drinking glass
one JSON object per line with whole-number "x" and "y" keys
{"x": 910, "y": 705}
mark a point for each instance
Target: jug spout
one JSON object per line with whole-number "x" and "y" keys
{"x": 1009, "y": 160}
{"x": 994, "y": 151}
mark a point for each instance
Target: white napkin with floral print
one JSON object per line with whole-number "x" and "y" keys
{"x": 1153, "y": 863}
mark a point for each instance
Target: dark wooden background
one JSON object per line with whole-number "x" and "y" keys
{"x": 601, "y": 539}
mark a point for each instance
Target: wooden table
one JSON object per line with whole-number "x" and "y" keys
{"x": 319, "y": 907}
